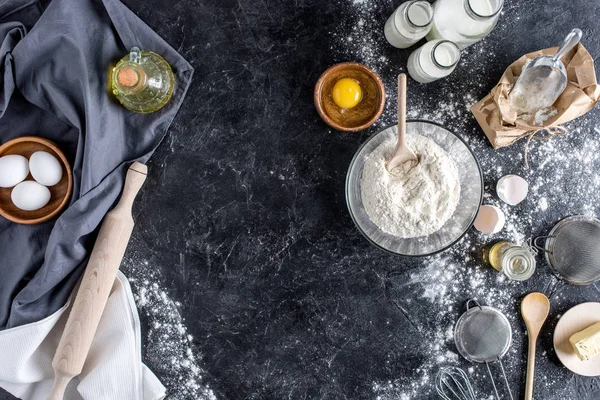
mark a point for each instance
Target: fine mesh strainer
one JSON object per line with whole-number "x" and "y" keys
{"x": 572, "y": 249}
{"x": 483, "y": 335}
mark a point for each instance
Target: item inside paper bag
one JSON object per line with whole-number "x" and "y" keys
{"x": 503, "y": 125}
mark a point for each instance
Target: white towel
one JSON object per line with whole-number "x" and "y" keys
{"x": 113, "y": 369}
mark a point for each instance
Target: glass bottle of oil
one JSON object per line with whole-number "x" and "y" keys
{"x": 142, "y": 81}
{"x": 515, "y": 261}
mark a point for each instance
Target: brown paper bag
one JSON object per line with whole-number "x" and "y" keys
{"x": 500, "y": 121}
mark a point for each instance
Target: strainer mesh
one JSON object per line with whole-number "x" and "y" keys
{"x": 484, "y": 335}
{"x": 575, "y": 251}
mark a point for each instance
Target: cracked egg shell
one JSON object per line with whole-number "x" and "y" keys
{"x": 512, "y": 189}
{"x": 490, "y": 219}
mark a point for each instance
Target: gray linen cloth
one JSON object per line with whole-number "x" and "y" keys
{"x": 54, "y": 84}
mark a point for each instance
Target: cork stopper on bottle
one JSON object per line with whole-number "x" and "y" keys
{"x": 127, "y": 77}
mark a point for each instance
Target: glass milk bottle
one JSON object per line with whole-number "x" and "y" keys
{"x": 434, "y": 60}
{"x": 464, "y": 21}
{"x": 408, "y": 24}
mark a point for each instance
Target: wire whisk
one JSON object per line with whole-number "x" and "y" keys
{"x": 452, "y": 383}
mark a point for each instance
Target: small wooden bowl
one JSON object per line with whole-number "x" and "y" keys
{"x": 365, "y": 113}
{"x": 59, "y": 194}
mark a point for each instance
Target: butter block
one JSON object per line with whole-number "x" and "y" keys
{"x": 587, "y": 342}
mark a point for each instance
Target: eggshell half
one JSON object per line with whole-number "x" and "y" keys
{"x": 512, "y": 189}
{"x": 490, "y": 219}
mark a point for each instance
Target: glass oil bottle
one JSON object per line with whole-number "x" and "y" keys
{"x": 142, "y": 81}
{"x": 515, "y": 261}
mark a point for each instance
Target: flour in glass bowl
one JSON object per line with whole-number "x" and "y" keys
{"x": 410, "y": 201}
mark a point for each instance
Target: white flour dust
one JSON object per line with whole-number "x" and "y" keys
{"x": 363, "y": 37}
{"x": 410, "y": 201}
{"x": 445, "y": 284}
{"x": 168, "y": 347}
{"x": 543, "y": 115}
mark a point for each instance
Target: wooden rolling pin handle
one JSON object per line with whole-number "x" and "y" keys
{"x": 60, "y": 385}
{"x": 136, "y": 176}
{"x": 96, "y": 284}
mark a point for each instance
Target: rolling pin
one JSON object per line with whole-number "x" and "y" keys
{"x": 96, "y": 285}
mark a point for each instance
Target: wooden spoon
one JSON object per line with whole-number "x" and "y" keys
{"x": 534, "y": 310}
{"x": 403, "y": 153}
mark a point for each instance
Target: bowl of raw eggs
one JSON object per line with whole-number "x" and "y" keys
{"x": 35, "y": 180}
{"x": 349, "y": 97}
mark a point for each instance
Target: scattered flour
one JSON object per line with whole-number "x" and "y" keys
{"x": 364, "y": 37}
{"x": 543, "y": 204}
{"x": 168, "y": 347}
{"x": 410, "y": 201}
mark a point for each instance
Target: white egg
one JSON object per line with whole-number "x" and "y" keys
{"x": 13, "y": 169}
{"x": 45, "y": 168}
{"x": 490, "y": 219}
{"x": 512, "y": 189}
{"x": 30, "y": 195}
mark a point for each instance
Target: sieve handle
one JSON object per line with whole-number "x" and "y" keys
{"x": 492, "y": 379}
{"x": 469, "y": 306}
{"x": 494, "y": 382}
{"x": 540, "y": 247}
{"x": 505, "y": 379}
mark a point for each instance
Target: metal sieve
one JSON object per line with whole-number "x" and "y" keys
{"x": 572, "y": 249}
{"x": 483, "y": 335}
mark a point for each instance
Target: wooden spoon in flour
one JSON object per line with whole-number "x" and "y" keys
{"x": 403, "y": 153}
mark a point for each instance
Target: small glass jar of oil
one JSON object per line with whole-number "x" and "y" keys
{"x": 515, "y": 261}
{"x": 142, "y": 81}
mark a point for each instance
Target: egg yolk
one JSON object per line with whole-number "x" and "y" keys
{"x": 347, "y": 93}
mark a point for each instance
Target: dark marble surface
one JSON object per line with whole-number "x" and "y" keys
{"x": 243, "y": 221}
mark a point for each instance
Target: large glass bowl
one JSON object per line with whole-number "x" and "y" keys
{"x": 471, "y": 193}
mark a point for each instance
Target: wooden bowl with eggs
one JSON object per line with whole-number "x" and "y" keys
{"x": 363, "y": 114}
{"x": 60, "y": 192}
